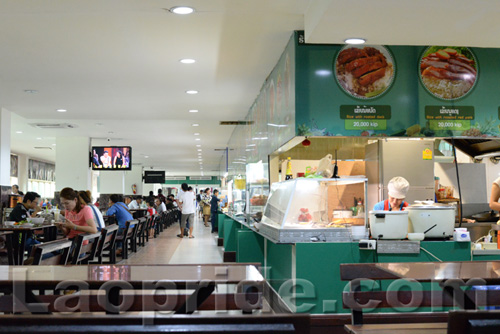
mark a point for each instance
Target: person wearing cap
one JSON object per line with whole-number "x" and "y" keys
{"x": 397, "y": 189}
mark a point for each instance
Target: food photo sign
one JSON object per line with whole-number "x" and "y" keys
{"x": 404, "y": 91}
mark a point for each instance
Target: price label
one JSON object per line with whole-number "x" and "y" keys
{"x": 449, "y": 125}
{"x": 364, "y": 124}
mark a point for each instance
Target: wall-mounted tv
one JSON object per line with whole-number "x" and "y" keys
{"x": 154, "y": 176}
{"x": 111, "y": 158}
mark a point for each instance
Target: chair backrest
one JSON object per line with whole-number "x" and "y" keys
{"x": 59, "y": 248}
{"x": 142, "y": 225}
{"x": 151, "y": 221}
{"x": 108, "y": 238}
{"x": 472, "y": 322}
{"x": 85, "y": 247}
{"x": 130, "y": 228}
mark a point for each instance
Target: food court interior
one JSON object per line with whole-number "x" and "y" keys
{"x": 301, "y": 114}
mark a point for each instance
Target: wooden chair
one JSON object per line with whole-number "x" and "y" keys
{"x": 140, "y": 238}
{"x": 85, "y": 248}
{"x": 107, "y": 246}
{"x": 128, "y": 235}
{"x": 150, "y": 224}
{"x": 62, "y": 247}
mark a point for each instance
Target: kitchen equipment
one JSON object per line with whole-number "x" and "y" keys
{"x": 487, "y": 216}
{"x": 342, "y": 214}
{"x": 422, "y": 216}
{"x": 388, "y": 224}
{"x": 405, "y": 158}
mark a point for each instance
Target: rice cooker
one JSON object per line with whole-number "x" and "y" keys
{"x": 388, "y": 224}
{"x": 422, "y": 216}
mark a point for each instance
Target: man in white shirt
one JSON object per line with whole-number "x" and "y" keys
{"x": 187, "y": 202}
{"x": 133, "y": 205}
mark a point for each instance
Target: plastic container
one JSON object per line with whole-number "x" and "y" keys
{"x": 416, "y": 236}
{"x": 389, "y": 224}
{"x": 57, "y": 213}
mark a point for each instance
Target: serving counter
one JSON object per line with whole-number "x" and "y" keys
{"x": 307, "y": 274}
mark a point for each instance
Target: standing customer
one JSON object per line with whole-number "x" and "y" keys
{"x": 187, "y": 203}
{"x": 119, "y": 209}
{"x": 79, "y": 218}
{"x": 86, "y": 197}
{"x": 214, "y": 206}
{"x": 206, "y": 198}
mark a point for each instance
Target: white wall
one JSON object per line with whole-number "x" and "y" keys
{"x": 133, "y": 177}
{"x": 492, "y": 173}
{"x": 5, "y": 147}
{"x": 112, "y": 182}
{"x": 72, "y": 163}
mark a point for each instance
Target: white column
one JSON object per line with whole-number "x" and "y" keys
{"x": 112, "y": 182}
{"x": 22, "y": 172}
{"x": 72, "y": 163}
{"x": 5, "y": 147}
{"x": 133, "y": 177}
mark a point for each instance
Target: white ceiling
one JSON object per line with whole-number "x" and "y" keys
{"x": 116, "y": 63}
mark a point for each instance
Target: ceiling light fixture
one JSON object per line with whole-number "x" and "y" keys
{"x": 199, "y": 150}
{"x": 355, "y": 41}
{"x": 187, "y": 61}
{"x": 146, "y": 156}
{"x": 191, "y": 92}
{"x": 195, "y": 124}
{"x": 39, "y": 138}
{"x": 197, "y": 139}
{"x": 181, "y": 10}
{"x": 30, "y": 91}
{"x": 196, "y": 133}
{"x": 19, "y": 132}
{"x": 61, "y": 110}
{"x": 198, "y": 145}
{"x": 193, "y": 110}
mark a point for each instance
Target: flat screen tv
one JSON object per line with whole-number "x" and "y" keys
{"x": 111, "y": 158}
{"x": 154, "y": 176}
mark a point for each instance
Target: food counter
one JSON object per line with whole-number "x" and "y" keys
{"x": 314, "y": 267}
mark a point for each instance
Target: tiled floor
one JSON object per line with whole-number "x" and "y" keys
{"x": 168, "y": 248}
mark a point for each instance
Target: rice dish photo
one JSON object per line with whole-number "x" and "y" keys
{"x": 448, "y": 72}
{"x": 364, "y": 73}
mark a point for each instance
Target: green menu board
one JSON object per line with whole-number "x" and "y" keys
{"x": 418, "y": 91}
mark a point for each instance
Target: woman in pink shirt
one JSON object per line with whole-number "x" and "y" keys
{"x": 79, "y": 217}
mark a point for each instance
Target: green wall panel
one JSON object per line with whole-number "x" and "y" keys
{"x": 230, "y": 235}
{"x": 319, "y": 264}
{"x": 250, "y": 247}
{"x": 279, "y": 263}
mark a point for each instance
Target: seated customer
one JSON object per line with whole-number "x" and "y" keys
{"x": 79, "y": 217}
{"x": 27, "y": 209}
{"x": 160, "y": 206}
{"x": 397, "y": 189}
{"x": 120, "y": 210}
{"x": 133, "y": 204}
{"x": 86, "y": 197}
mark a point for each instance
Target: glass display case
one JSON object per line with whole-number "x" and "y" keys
{"x": 312, "y": 210}
{"x": 257, "y": 190}
{"x": 237, "y": 201}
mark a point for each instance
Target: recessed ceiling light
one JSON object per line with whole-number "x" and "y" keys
{"x": 19, "y": 132}
{"x": 187, "y": 61}
{"x": 192, "y": 92}
{"x": 355, "y": 41}
{"x": 195, "y": 124}
{"x": 110, "y": 132}
{"x": 53, "y": 144}
{"x": 199, "y": 150}
{"x": 197, "y": 139}
{"x": 196, "y": 133}
{"x": 61, "y": 110}
{"x": 193, "y": 110}
{"x": 39, "y": 138}
{"x": 198, "y": 145}
{"x": 181, "y": 10}
{"x": 30, "y": 91}
{"x": 146, "y": 156}
{"x": 99, "y": 124}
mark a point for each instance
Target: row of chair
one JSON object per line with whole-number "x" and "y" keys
{"x": 98, "y": 248}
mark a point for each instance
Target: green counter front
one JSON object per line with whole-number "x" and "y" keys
{"x": 307, "y": 275}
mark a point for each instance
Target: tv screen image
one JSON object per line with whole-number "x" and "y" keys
{"x": 111, "y": 158}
